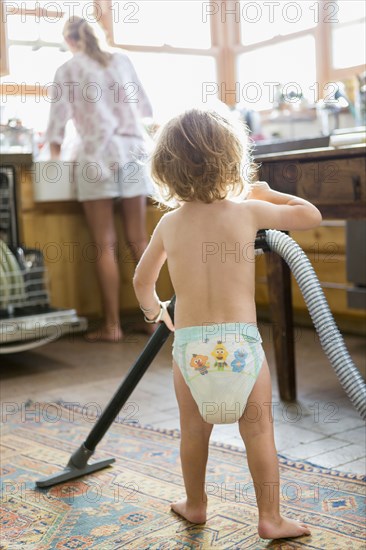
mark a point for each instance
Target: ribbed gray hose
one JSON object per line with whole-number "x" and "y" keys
{"x": 330, "y": 338}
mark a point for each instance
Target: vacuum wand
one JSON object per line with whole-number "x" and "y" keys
{"x": 78, "y": 463}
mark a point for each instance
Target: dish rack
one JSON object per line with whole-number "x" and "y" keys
{"x": 27, "y": 319}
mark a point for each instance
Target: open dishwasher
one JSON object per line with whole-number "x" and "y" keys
{"x": 27, "y": 319}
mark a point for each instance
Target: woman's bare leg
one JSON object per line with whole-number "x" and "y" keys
{"x": 195, "y": 435}
{"x": 256, "y": 429}
{"x": 133, "y": 212}
{"x": 99, "y": 216}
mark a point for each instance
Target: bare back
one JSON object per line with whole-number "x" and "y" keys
{"x": 210, "y": 252}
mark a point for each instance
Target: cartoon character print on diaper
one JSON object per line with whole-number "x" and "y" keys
{"x": 238, "y": 363}
{"x": 220, "y": 354}
{"x": 200, "y": 363}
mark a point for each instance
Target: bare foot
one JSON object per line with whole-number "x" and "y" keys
{"x": 194, "y": 514}
{"x": 281, "y": 528}
{"x": 107, "y": 333}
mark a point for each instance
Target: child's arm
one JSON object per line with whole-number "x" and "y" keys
{"x": 277, "y": 210}
{"x": 146, "y": 275}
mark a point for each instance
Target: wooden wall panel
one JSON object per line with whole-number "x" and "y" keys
{"x": 325, "y": 248}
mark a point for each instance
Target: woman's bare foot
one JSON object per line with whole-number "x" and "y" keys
{"x": 106, "y": 333}
{"x": 281, "y": 528}
{"x": 194, "y": 514}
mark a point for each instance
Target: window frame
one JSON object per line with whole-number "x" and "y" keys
{"x": 322, "y": 33}
{"x": 344, "y": 72}
{"x": 4, "y": 55}
{"x": 26, "y": 89}
{"x": 225, "y": 47}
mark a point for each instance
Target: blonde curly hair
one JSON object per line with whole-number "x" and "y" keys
{"x": 201, "y": 156}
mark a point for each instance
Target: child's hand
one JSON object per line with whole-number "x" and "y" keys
{"x": 166, "y": 317}
{"x": 259, "y": 191}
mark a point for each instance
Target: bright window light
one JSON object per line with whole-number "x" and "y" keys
{"x": 344, "y": 51}
{"x": 28, "y": 28}
{"x": 350, "y": 10}
{"x": 83, "y": 8}
{"x": 174, "y": 82}
{"x": 178, "y": 23}
{"x": 30, "y": 67}
{"x": 291, "y": 61}
{"x": 260, "y": 21}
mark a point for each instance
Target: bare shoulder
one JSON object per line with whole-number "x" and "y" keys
{"x": 247, "y": 207}
{"x": 253, "y": 211}
{"x": 167, "y": 221}
{"x": 255, "y": 206}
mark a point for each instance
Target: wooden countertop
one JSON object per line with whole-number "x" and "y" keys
{"x": 15, "y": 159}
{"x": 311, "y": 154}
{"x": 301, "y": 154}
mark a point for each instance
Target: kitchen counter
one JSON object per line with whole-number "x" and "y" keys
{"x": 316, "y": 153}
{"x": 59, "y": 230}
{"x": 331, "y": 178}
{"x": 16, "y": 159}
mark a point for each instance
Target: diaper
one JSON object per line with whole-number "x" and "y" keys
{"x": 220, "y": 364}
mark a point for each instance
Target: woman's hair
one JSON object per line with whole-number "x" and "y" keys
{"x": 79, "y": 30}
{"x": 201, "y": 155}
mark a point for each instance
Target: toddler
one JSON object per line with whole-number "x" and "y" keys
{"x": 219, "y": 366}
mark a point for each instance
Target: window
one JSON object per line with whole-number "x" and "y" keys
{"x": 259, "y": 21}
{"x": 348, "y": 35}
{"x": 179, "y": 24}
{"x": 277, "y": 50}
{"x": 260, "y": 70}
{"x": 174, "y": 82}
{"x": 236, "y": 50}
{"x": 311, "y": 44}
{"x": 31, "y": 66}
{"x": 170, "y": 44}
{"x": 36, "y": 44}
{"x": 35, "y": 50}
{"x": 27, "y": 27}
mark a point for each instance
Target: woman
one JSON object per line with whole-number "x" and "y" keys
{"x": 104, "y": 97}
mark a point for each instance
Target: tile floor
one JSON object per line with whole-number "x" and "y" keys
{"x": 321, "y": 426}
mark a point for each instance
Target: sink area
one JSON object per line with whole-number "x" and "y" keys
{"x": 53, "y": 181}
{"x": 279, "y": 145}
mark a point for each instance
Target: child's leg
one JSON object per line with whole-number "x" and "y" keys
{"x": 195, "y": 435}
{"x": 256, "y": 429}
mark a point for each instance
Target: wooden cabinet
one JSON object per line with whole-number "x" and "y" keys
{"x": 60, "y": 232}
{"x": 335, "y": 181}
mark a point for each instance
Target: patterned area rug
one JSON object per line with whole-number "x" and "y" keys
{"x": 127, "y": 505}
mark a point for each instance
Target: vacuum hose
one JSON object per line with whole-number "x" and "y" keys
{"x": 330, "y": 338}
